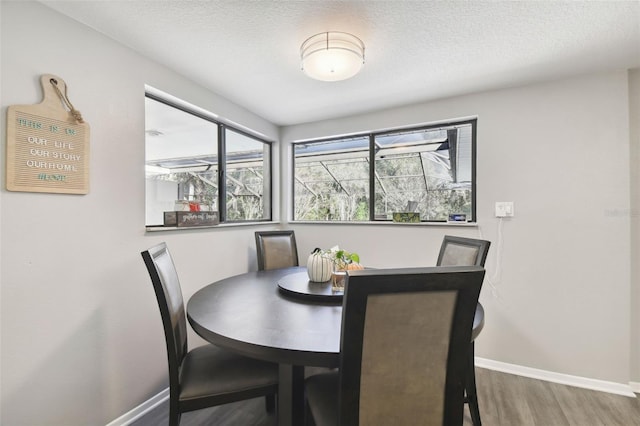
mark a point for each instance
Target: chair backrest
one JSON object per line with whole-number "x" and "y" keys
{"x": 404, "y": 344}
{"x": 276, "y": 249}
{"x": 169, "y": 295}
{"x": 460, "y": 251}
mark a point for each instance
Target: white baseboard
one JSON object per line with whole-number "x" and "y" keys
{"x": 635, "y": 386}
{"x": 550, "y": 376}
{"x": 139, "y": 411}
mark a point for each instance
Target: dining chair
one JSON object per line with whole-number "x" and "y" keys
{"x": 461, "y": 251}
{"x": 207, "y": 375}
{"x": 465, "y": 252}
{"x": 396, "y": 322}
{"x": 276, "y": 249}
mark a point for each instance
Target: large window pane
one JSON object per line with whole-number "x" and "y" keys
{"x": 181, "y": 160}
{"x": 426, "y": 171}
{"x": 331, "y": 180}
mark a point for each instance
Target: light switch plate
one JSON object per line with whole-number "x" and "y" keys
{"x": 504, "y": 208}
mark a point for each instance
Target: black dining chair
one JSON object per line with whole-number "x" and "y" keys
{"x": 396, "y": 322}
{"x": 276, "y": 249}
{"x": 461, "y": 251}
{"x": 208, "y": 375}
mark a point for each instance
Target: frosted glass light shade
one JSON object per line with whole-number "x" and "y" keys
{"x": 332, "y": 56}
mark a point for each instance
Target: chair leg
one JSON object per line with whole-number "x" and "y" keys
{"x": 174, "y": 410}
{"x": 270, "y": 403}
{"x": 470, "y": 388}
{"x": 174, "y": 417}
{"x": 308, "y": 417}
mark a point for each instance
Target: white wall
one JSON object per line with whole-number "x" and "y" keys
{"x": 80, "y": 330}
{"x": 560, "y": 151}
{"x": 634, "y": 212}
{"x": 81, "y": 334}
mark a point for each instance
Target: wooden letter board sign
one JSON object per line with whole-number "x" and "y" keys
{"x": 47, "y": 145}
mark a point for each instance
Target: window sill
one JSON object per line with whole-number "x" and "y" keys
{"x": 161, "y": 228}
{"x": 384, "y": 223}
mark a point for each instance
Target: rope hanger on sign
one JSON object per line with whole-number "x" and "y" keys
{"x": 63, "y": 96}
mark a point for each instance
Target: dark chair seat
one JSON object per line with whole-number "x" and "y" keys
{"x": 322, "y": 397}
{"x": 213, "y": 376}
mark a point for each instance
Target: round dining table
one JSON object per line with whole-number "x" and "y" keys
{"x": 259, "y": 314}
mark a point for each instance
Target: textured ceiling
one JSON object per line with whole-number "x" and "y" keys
{"x": 248, "y": 51}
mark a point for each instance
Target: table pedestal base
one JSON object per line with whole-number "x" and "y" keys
{"x": 291, "y": 395}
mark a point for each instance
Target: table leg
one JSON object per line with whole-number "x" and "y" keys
{"x": 291, "y": 395}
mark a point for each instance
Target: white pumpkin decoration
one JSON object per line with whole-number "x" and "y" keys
{"x": 319, "y": 266}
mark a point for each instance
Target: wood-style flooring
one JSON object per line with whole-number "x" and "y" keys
{"x": 505, "y": 400}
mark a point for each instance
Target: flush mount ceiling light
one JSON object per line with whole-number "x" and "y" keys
{"x": 332, "y": 56}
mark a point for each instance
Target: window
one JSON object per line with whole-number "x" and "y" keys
{"x": 428, "y": 170}
{"x": 190, "y": 157}
{"x": 247, "y": 165}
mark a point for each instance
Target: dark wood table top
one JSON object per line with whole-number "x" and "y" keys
{"x": 249, "y": 314}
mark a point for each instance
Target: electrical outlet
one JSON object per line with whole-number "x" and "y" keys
{"x": 504, "y": 208}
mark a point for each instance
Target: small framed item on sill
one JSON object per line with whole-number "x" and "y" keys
{"x": 406, "y": 217}
{"x": 182, "y": 219}
{"x": 457, "y": 218}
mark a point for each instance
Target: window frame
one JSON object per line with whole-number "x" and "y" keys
{"x": 472, "y": 121}
{"x": 222, "y": 128}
